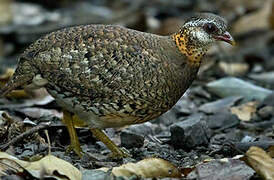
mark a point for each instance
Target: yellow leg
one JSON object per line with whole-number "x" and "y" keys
{"x": 116, "y": 151}
{"x": 74, "y": 142}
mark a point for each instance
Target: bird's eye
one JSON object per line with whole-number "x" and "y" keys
{"x": 210, "y": 28}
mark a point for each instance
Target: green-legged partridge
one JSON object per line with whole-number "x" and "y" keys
{"x": 111, "y": 76}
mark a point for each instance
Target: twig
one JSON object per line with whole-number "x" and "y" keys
{"x": 25, "y": 134}
{"x": 47, "y": 135}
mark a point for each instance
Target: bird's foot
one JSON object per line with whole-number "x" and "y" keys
{"x": 75, "y": 148}
{"x": 117, "y": 153}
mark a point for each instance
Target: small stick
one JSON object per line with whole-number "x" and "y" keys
{"x": 47, "y": 135}
{"x": 25, "y": 134}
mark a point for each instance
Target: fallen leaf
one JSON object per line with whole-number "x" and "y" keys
{"x": 9, "y": 166}
{"x": 261, "y": 162}
{"x": 147, "y": 168}
{"x": 48, "y": 166}
{"x": 234, "y": 69}
{"x": 245, "y": 111}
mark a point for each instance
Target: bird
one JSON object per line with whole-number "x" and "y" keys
{"x": 109, "y": 76}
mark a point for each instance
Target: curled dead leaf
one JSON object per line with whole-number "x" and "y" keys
{"x": 261, "y": 162}
{"x": 245, "y": 111}
{"x": 8, "y": 167}
{"x": 49, "y": 166}
{"x": 147, "y": 168}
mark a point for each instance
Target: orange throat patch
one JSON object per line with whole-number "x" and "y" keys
{"x": 193, "y": 53}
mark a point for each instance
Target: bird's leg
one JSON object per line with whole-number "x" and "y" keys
{"x": 74, "y": 142}
{"x": 100, "y": 135}
{"x": 116, "y": 151}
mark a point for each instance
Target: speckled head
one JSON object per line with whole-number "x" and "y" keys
{"x": 199, "y": 33}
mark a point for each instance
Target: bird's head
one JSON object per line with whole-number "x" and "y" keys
{"x": 199, "y": 33}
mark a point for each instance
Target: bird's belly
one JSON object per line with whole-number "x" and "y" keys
{"x": 69, "y": 104}
{"x": 100, "y": 117}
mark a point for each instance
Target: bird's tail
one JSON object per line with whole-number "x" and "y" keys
{"x": 23, "y": 75}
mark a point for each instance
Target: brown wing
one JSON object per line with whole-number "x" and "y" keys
{"x": 94, "y": 60}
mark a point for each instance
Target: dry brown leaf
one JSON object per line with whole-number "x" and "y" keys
{"x": 234, "y": 69}
{"x": 261, "y": 162}
{"x": 147, "y": 168}
{"x": 245, "y": 111}
{"x": 50, "y": 166}
{"x": 8, "y": 166}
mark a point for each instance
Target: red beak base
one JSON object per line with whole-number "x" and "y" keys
{"x": 226, "y": 37}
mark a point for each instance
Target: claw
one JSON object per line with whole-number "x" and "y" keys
{"x": 116, "y": 152}
{"x": 75, "y": 148}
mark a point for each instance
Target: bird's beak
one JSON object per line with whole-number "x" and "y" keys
{"x": 226, "y": 37}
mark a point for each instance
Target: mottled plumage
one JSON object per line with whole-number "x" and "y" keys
{"x": 111, "y": 71}
{"x": 112, "y": 76}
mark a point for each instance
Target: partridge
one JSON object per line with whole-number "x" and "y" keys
{"x": 111, "y": 76}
